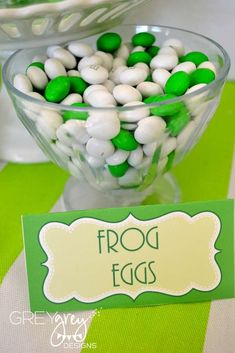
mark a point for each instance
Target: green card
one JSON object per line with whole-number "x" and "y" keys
{"x": 128, "y": 257}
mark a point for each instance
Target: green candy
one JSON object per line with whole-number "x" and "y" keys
{"x": 77, "y": 85}
{"x": 163, "y": 110}
{"x": 201, "y": 76}
{"x": 118, "y": 170}
{"x": 109, "y": 42}
{"x": 196, "y": 57}
{"x": 177, "y": 122}
{"x": 125, "y": 141}
{"x": 57, "y": 89}
{"x": 139, "y": 57}
{"x": 178, "y": 83}
{"x": 143, "y": 39}
{"x": 153, "y": 50}
{"x": 82, "y": 115}
{"x": 37, "y": 64}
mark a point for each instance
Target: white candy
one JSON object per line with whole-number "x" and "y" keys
{"x": 80, "y": 49}
{"x": 193, "y": 103}
{"x": 73, "y": 73}
{"x": 130, "y": 127}
{"x": 36, "y": 95}
{"x": 145, "y": 163}
{"x": 99, "y": 148}
{"x": 136, "y": 157}
{"x": 167, "y": 50}
{"x": 91, "y": 89}
{"x": 22, "y": 83}
{"x": 131, "y": 178}
{"x": 94, "y": 74}
{"x": 107, "y": 59}
{"x": 65, "y": 149}
{"x": 168, "y": 146}
{"x": 149, "y": 130}
{"x": 123, "y": 52}
{"x": 114, "y": 75}
{"x": 150, "y": 148}
{"x": 160, "y": 76}
{"x": 65, "y": 57}
{"x": 149, "y": 89}
{"x": 126, "y": 94}
{"x": 109, "y": 85}
{"x": 95, "y": 162}
{"x": 175, "y": 44}
{"x": 133, "y": 76}
{"x": 118, "y": 62}
{"x": 72, "y": 98}
{"x": 164, "y": 61}
{"x": 51, "y": 49}
{"x": 38, "y": 77}
{"x": 101, "y": 98}
{"x": 187, "y": 66}
{"x": 48, "y": 122}
{"x": 195, "y": 88}
{"x": 118, "y": 157}
{"x": 103, "y": 125}
{"x": 88, "y": 61}
{"x": 77, "y": 129}
{"x": 138, "y": 48}
{"x": 134, "y": 115}
{"x": 207, "y": 65}
{"x": 61, "y": 156}
{"x": 142, "y": 66}
{"x": 54, "y": 68}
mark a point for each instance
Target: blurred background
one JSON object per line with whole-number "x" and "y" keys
{"x": 213, "y": 18}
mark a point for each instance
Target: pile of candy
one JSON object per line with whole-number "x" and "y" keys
{"x": 129, "y": 140}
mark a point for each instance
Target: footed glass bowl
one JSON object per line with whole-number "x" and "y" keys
{"x": 70, "y": 145}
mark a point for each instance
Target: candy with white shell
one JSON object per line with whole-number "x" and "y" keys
{"x": 37, "y": 77}
{"x": 138, "y": 48}
{"x": 51, "y": 49}
{"x": 119, "y": 157}
{"x": 95, "y": 162}
{"x": 126, "y": 94}
{"x": 150, "y": 148}
{"x": 175, "y": 44}
{"x": 65, "y": 57}
{"x": 48, "y": 122}
{"x": 184, "y": 136}
{"x": 88, "y": 61}
{"x": 208, "y": 65}
{"x": 91, "y": 89}
{"x": 73, "y": 73}
{"x": 54, "y": 68}
{"x": 64, "y": 148}
{"x": 22, "y": 83}
{"x": 114, "y": 75}
{"x": 133, "y": 76}
{"x": 123, "y": 52}
{"x": 134, "y": 115}
{"x": 187, "y": 66}
{"x": 136, "y": 157}
{"x": 107, "y": 59}
{"x": 72, "y": 98}
{"x": 103, "y": 125}
{"x": 162, "y": 164}
{"x": 167, "y": 50}
{"x": 99, "y": 148}
{"x": 149, "y": 129}
{"x": 148, "y": 89}
{"x": 161, "y": 76}
{"x": 164, "y": 61}
{"x": 109, "y": 85}
{"x": 118, "y": 62}
{"x": 168, "y": 146}
{"x": 143, "y": 66}
{"x": 101, "y": 98}
{"x": 80, "y": 49}
{"x": 94, "y": 74}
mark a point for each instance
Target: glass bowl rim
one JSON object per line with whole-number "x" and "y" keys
{"x": 58, "y": 106}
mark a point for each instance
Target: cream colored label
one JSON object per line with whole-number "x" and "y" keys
{"x": 91, "y": 259}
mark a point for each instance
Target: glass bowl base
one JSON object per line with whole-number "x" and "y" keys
{"x": 79, "y": 195}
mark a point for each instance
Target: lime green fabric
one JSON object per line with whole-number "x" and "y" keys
{"x": 204, "y": 174}
{"x": 24, "y": 189}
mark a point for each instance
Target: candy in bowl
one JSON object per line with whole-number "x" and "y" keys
{"x": 118, "y": 110}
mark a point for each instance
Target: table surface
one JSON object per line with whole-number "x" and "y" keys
{"x": 205, "y": 174}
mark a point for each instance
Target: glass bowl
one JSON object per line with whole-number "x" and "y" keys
{"x": 69, "y": 144}
{"x": 23, "y": 23}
